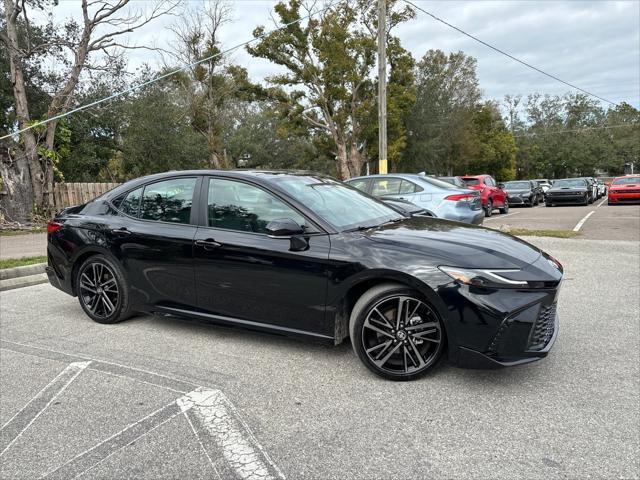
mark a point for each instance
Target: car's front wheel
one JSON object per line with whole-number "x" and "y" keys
{"x": 102, "y": 290}
{"x": 396, "y": 333}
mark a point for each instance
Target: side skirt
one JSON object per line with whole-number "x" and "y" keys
{"x": 244, "y": 324}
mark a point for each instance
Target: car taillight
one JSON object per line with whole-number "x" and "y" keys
{"x": 461, "y": 197}
{"x": 53, "y": 227}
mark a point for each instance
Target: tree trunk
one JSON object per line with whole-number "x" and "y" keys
{"x": 32, "y": 169}
{"x": 343, "y": 161}
{"x": 16, "y": 194}
{"x": 356, "y": 161}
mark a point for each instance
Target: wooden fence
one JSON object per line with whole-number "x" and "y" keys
{"x": 68, "y": 194}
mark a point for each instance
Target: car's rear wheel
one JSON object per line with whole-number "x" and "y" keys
{"x": 505, "y": 207}
{"x": 488, "y": 211}
{"x": 396, "y": 333}
{"x": 102, "y": 290}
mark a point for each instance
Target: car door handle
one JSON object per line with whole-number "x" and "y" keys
{"x": 208, "y": 244}
{"x": 120, "y": 231}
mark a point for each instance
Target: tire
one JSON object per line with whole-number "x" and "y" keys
{"x": 109, "y": 301}
{"x": 586, "y": 202}
{"x": 547, "y": 204}
{"x": 400, "y": 358}
{"x": 505, "y": 208}
{"x": 531, "y": 203}
{"x": 488, "y": 210}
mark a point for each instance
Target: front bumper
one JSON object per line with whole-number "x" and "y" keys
{"x": 518, "y": 200}
{"x": 566, "y": 199}
{"x": 496, "y": 327}
{"x": 624, "y": 197}
{"x": 468, "y": 358}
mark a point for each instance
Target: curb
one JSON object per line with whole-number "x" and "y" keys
{"x": 15, "y": 272}
{"x": 26, "y": 281}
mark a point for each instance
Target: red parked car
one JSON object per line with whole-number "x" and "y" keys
{"x": 624, "y": 190}
{"x": 491, "y": 194}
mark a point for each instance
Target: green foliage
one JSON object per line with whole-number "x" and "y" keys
{"x": 493, "y": 147}
{"x": 573, "y": 135}
{"x": 159, "y": 136}
{"x": 328, "y": 62}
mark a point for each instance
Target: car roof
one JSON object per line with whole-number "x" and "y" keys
{"x": 263, "y": 177}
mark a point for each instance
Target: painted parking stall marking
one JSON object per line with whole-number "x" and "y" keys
{"x": 224, "y": 435}
{"x": 21, "y": 421}
{"x": 581, "y": 222}
{"x": 226, "y": 440}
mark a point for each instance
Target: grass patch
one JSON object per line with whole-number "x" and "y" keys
{"x": 525, "y": 232}
{"x": 21, "y": 262}
{"x": 10, "y": 233}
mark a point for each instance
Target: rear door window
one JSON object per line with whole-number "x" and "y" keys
{"x": 168, "y": 201}
{"x": 386, "y": 186}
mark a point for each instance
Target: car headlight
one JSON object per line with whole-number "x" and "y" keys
{"x": 482, "y": 277}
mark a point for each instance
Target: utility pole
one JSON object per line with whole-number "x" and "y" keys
{"x": 382, "y": 86}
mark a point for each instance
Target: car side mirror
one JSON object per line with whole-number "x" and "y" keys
{"x": 501, "y": 185}
{"x": 283, "y": 227}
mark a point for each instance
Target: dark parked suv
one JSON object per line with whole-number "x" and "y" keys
{"x": 302, "y": 254}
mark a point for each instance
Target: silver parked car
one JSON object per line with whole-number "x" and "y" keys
{"x": 439, "y": 199}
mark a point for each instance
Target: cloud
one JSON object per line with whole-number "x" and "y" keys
{"x": 592, "y": 44}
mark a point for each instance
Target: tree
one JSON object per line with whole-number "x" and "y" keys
{"x": 493, "y": 146}
{"x": 74, "y": 44}
{"x": 441, "y": 119}
{"x": 159, "y": 136}
{"x": 328, "y": 62}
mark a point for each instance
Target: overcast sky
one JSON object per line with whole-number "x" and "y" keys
{"x": 592, "y": 44}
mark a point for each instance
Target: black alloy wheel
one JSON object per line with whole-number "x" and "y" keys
{"x": 396, "y": 333}
{"x": 102, "y": 290}
{"x": 488, "y": 211}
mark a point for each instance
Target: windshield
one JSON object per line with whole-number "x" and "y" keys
{"x": 343, "y": 207}
{"x": 626, "y": 181}
{"x": 517, "y": 185}
{"x": 570, "y": 183}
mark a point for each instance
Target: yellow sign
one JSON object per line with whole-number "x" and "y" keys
{"x": 382, "y": 166}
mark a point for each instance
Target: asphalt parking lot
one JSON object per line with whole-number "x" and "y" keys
{"x": 161, "y": 398}
{"x": 607, "y": 222}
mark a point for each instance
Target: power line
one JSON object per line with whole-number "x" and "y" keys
{"x": 556, "y": 132}
{"x": 507, "y": 54}
{"x": 168, "y": 74}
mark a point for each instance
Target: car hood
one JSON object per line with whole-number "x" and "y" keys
{"x": 625, "y": 186}
{"x": 456, "y": 244}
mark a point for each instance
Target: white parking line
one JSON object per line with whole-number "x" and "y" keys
{"x": 497, "y": 217}
{"x": 21, "y": 421}
{"x": 581, "y": 222}
{"x": 600, "y": 204}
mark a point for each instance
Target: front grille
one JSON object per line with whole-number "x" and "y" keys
{"x": 625, "y": 191}
{"x": 543, "y": 328}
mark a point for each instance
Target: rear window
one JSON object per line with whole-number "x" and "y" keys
{"x": 626, "y": 181}
{"x": 471, "y": 181}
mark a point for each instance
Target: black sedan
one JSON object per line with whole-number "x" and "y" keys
{"x": 523, "y": 192}
{"x": 301, "y": 254}
{"x": 569, "y": 191}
